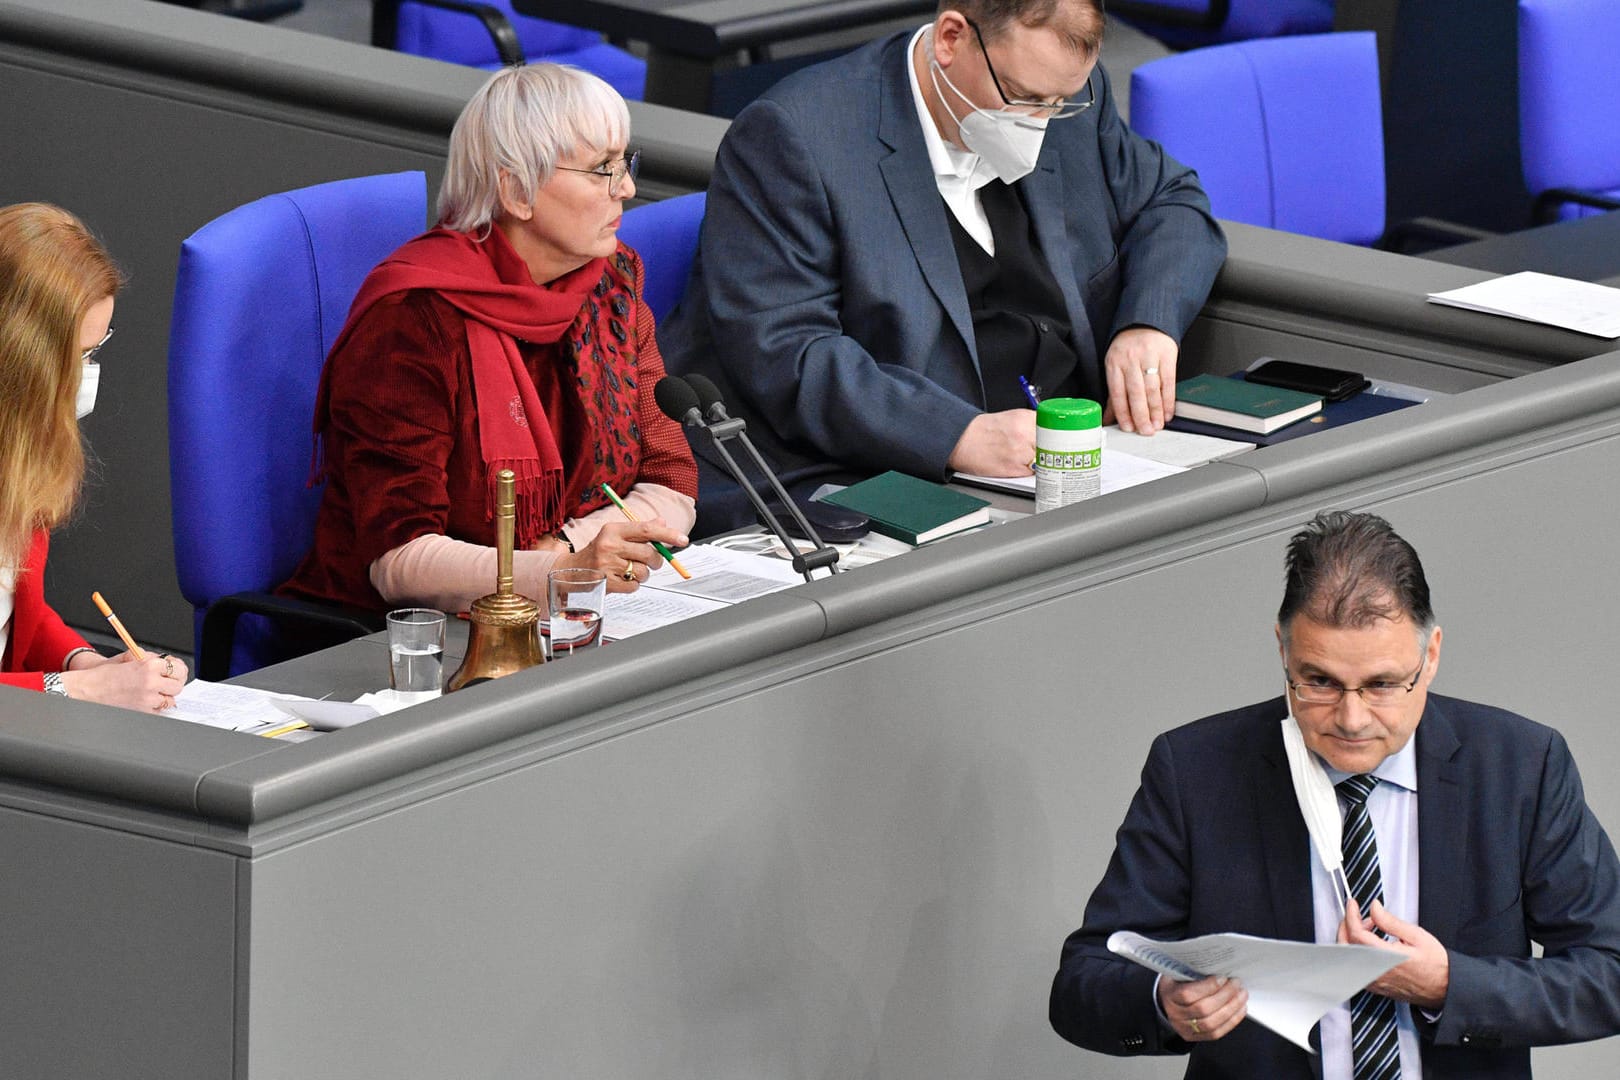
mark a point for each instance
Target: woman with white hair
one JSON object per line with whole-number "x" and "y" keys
{"x": 513, "y": 336}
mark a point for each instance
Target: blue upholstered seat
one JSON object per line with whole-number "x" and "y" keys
{"x": 665, "y": 235}
{"x": 1569, "y": 102}
{"x": 461, "y": 38}
{"x": 261, "y": 294}
{"x": 1284, "y": 132}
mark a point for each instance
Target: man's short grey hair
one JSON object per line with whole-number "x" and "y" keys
{"x": 522, "y": 122}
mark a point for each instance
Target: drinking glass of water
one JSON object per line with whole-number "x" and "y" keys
{"x": 416, "y": 651}
{"x": 577, "y": 600}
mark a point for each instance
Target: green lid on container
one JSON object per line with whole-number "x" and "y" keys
{"x": 1068, "y": 414}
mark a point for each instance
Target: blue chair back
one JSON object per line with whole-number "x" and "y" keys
{"x": 1189, "y": 23}
{"x": 1284, "y": 132}
{"x": 1569, "y": 97}
{"x": 261, "y": 294}
{"x": 665, "y": 235}
{"x": 460, "y": 38}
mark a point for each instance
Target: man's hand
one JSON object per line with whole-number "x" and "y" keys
{"x": 1423, "y": 977}
{"x": 997, "y": 444}
{"x": 1141, "y": 369}
{"x": 1205, "y": 1010}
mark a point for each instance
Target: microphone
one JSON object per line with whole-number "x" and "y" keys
{"x": 687, "y": 401}
{"x": 708, "y": 397}
{"x": 678, "y": 401}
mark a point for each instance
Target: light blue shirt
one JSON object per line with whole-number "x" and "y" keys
{"x": 1393, "y": 807}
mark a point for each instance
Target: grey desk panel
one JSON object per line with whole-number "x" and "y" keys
{"x": 519, "y": 706}
{"x": 1421, "y": 439}
{"x": 117, "y": 954}
{"x": 867, "y": 869}
{"x": 248, "y": 786}
{"x": 149, "y": 761}
{"x": 1306, "y": 286}
{"x": 1010, "y": 556}
{"x": 1587, "y": 249}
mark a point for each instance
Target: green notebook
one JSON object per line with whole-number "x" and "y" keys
{"x": 910, "y": 509}
{"x": 1246, "y": 406}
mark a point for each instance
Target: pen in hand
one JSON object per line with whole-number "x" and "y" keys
{"x": 129, "y": 642}
{"x": 1029, "y": 393}
{"x": 660, "y": 548}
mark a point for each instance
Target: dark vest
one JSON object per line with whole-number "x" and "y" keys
{"x": 1020, "y": 323}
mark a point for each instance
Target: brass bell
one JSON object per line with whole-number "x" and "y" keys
{"x": 505, "y": 633}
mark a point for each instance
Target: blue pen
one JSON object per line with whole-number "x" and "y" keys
{"x": 1029, "y": 392}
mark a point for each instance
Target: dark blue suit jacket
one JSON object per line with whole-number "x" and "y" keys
{"x": 827, "y": 301}
{"x": 1509, "y": 853}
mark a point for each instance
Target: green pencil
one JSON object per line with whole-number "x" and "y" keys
{"x": 662, "y": 550}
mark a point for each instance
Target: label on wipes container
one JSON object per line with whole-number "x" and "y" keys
{"x": 1068, "y": 452}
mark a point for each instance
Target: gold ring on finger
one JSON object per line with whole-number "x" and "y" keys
{"x": 629, "y": 573}
{"x": 168, "y": 666}
{"x": 1195, "y": 1026}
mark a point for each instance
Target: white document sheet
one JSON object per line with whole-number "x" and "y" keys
{"x": 730, "y": 576}
{"x": 1582, "y": 306}
{"x": 228, "y": 706}
{"x": 1291, "y": 984}
{"x": 1182, "y": 448}
{"x": 1120, "y": 470}
{"x": 629, "y": 614}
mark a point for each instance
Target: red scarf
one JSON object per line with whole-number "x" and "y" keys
{"x": 514, "y": 432}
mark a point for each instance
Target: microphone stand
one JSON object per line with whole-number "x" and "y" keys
{"x": 722, "y": 427}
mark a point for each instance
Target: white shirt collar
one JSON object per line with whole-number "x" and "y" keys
{"x": 950, "y": 163}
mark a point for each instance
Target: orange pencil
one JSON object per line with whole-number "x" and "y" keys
{"x": 129, "y": 642}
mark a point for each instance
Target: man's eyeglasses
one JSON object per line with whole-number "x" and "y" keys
{"x": 89, "y": 355}
{"x": 1320, "y": 690}
{"x": 1061, "y": 109}
{"x": 615, "y": 171}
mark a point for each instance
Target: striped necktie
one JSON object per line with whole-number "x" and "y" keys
{"x": 1374, "y": 1049}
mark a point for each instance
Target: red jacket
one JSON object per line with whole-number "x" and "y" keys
{"x": 39, "y": 641}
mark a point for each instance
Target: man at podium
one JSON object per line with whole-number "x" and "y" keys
{"x": 1463, "y": 830}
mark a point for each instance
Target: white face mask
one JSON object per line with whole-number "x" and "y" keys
{"x": 87, "y": 389}
{"x": 1009, "y": 142}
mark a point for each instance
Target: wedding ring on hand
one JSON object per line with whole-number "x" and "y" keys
{"x": 629, "y": 573}
{"x": 168, "y": 666}
{"x": 1149, "y": 371}
{"x": 1194, "y": 1022}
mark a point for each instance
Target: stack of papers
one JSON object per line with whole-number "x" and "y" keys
{"x": 720, "y": 578}
{"x": 251, "y": 711}
{"x": 1581, "y": 306}
{"x": 1291, "y": 984}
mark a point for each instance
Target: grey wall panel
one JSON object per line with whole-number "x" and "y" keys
{"x": 117, "y": 955}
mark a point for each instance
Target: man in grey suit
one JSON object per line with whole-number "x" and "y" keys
{"x": 1465, "y": 838}
{"x": 894, "y": 237}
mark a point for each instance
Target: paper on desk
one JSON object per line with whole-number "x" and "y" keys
{"x": 1184, "y": 448}
{"x": 1120, "y": 470}
{"x": 729, "y": 576}
{"x": 1582, "y": 306}
{"x": 629, "y": 614}
{"x": 227, "y": 706}
{"x": 1291, "y": 984}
